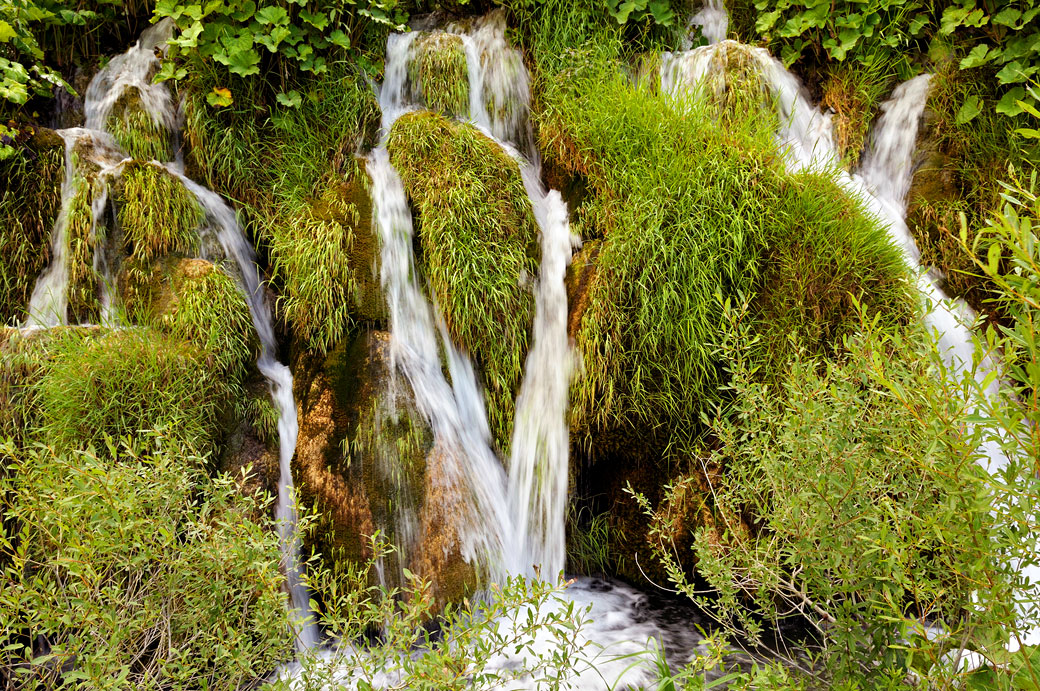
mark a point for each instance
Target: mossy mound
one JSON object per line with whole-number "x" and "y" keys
{"x": 157, "y": 214}
{"x": 694, "y": 208}
{"x": 84, "y": 240}
{"x": 136, "y": 131}
{"x": 325, "y": 259}
{"x": 478, "y": 238}
{"x": 30, "y": 198}
{"x": 438, "y": 71}
{"x": 120, "y": 383}
{"x": 195, "y": 301}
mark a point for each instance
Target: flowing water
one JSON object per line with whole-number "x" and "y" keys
{"x": 133, "y": 70}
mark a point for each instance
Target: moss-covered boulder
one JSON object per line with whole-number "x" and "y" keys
{"x": 326, "y": 258}
{"x": 478, "y": 242}
{"x": 30, "y": 198}
{"x": 157, "y": 214}
{"x": 365, "y": 461}
{"x": 139, "y": 134}
{"x": 439, "y": 75}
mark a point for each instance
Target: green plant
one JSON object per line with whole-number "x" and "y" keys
{"x": 479, "y": 240}
{"x": 852, "y": 498}
{"x": 127, "y": 566}
{"x": 134, "y": 129}
{"x": 300, "y": 36}
{"x": 439, "y": 68}
{"x": 122, "y": 382}
{"x": 157, "y": 214}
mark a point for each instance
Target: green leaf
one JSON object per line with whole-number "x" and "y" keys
{"x": 6, "y": 32}
{"x": 244, "y": 12}
{"x": 244, "y": 63}
{"x": 272, "y": 15}
{"x": 1013, "y": 73}
{"x": 1009, "y": 103}
{"x": 971, "y": 107}
{"x": 272, "y": 40}
{"x": 976, "y": 57}
{"x": 1007, "y": 17}
{"x": 340, "y": 39}
{"x": 220, "y": 97}
{"x": 319, "y": 20}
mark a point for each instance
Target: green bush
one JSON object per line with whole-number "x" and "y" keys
{"x": 134, "y": 569}
{"x": 852, "y": 498}
{"x": 119, "y": 383}
{"x": 479, "y": 240}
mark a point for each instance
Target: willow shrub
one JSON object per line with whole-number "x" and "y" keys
{"x": 133, "y": 569}
{"x": 853, "y": 498}
{"x": 692, "y": 200}
{"x": 479, "y": 241}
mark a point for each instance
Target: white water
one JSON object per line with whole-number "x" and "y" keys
{"x": 712, "y": 20}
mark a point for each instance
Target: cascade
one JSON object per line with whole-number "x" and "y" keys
{"x": 882, "y": 182}
{"x": 48, "y": 305}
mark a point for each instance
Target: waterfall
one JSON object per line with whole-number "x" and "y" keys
{"x": 48, "y": 305}
{"x": 713, "y": 21}
{"x": 882, "y": 183}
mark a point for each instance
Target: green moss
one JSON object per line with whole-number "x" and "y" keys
{"x": 30, "y": 198}
{"x": 439, "y": 69}
{"x": 157, "y": 214}
{"x": 478, "y": 238}
{"x": 136, "y": 131}
{"x": 123, "y": 382}
{"x": 694, "y": 207}
{"x": 323, "y": 258}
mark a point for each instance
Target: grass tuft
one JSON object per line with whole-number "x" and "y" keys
{"x": 439, "y": 69}
{"x": 479, "y": 240}
{"x": 136, "y": 131}
{"x": 157, "y": 214}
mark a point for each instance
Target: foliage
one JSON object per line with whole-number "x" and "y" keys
{"x": 18, "y": 46}
{"x": 303, "y": 194}
{"x": 667, "y": 188}
{"x": 132, "y": 568}
{"x": 157, "y": 214}
{"x": 30, "y": 196}
{"x": 524, "y": 632}
{"x": 136, "y": 131}
{"x": 121, "y": 382}
{"x": 854, "y": 498}
{"x": 479, "y": 242}
{"x": 300, "y": 36}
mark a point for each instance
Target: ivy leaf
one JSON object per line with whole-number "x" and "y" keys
{"x": 969, "y": 110}
{"x": 290, "y": 100}
{"x": 976, "y": 57}
{"x": 272, "y": 15}
{"x": 220, "y": 97}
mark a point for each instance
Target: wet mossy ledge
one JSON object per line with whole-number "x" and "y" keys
{"x": 479, "y": 246}
{"x": 30, "y": 198}
{"x": 438, "y": 71}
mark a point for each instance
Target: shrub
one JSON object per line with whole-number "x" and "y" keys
{"x": 852, "y": 498}
{"x": 479, "y": 240}
{"x": 134, "y": 568}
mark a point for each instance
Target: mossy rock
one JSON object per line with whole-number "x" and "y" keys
{"x": 478, "y": 240}
{"x": 439, "y": 73}
{"x": 136, "y": 131}
{"x": 84, "y": 305}
{"x": 364, "y": 462}
{"x": 157, "y": 214}
{"x": 195, "y": 301}
{"x": 326, "y": 258}
{"x": 30, "y": 199}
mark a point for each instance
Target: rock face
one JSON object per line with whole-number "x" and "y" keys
{"x": 365, "y": 462}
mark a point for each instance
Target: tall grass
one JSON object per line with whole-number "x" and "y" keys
{"x": 136, "y": 132}
{"x": 157, "y": 214}
{"x": 439, "y": 68}
{"x": 692, "y": 204}
{"x": 479, "y": 241}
